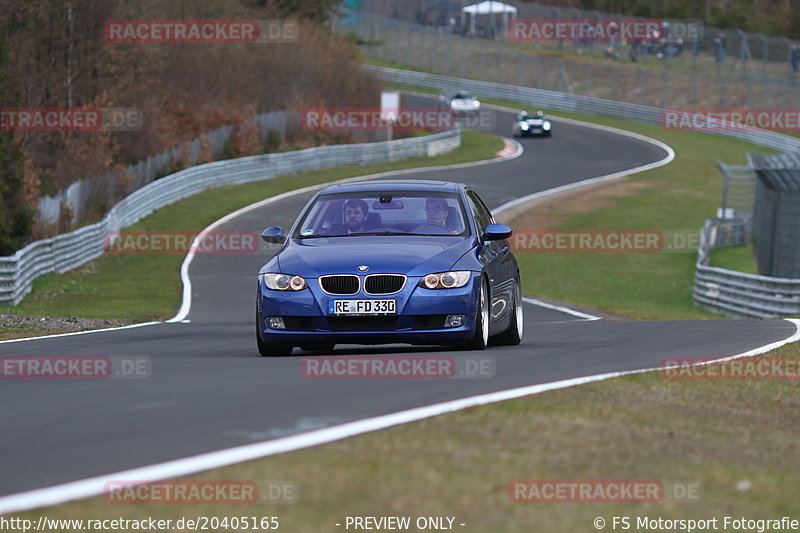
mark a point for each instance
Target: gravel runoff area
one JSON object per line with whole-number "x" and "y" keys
{"x": 65, "y": 324}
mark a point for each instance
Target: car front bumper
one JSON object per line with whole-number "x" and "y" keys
{"x": 419, "y": 319}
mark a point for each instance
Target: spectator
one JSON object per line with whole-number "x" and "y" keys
{"x": 611, "y": 52}
{"x": 720, "y": 47}
{"x": 633, "y": 51}
{"x": 795, "y": 57}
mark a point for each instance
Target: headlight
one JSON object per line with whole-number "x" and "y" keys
{"x": 284, "y": 282}
{"x": 446, "y": 280}
{"x": 523, "y": 126}
{"x": 546, "y": 125}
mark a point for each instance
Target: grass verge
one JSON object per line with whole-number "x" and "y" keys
{"x": 739, "y": 258}
{"x": 143, "y": 287}
{"x": 733, "y": 440}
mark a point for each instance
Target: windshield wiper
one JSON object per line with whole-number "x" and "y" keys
{"x": 384, "y": 232}
{"x": 403, "y": 233}
{"x": 321, "y": 236}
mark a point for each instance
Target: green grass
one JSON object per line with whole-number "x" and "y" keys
{"x": 142, "y": 287}
{"x": 678, "y": 196}
{"x": 722, "y": 436}
{"x": 735, "y": 258}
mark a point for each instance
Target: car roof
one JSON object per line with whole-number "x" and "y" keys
{"x": 394, "y": 185}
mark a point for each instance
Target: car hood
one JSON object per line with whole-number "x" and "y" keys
{"x": 413, "y": 256}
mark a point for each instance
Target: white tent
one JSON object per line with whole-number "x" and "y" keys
{"x": 491, "y": 8}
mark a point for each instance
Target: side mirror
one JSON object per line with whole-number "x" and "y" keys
{"x": 273, "y": 235}
{"x": 497, "y": 232}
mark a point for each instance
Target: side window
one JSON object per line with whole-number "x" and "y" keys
{"x": 486, "y": 212}
{"x": 482, "y": 216}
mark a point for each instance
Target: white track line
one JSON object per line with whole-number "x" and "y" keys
{"x": 567, "y": 310}
{"x": 90, "y": 487}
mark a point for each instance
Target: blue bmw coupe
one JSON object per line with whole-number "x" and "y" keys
{"x": 376, "y": 262}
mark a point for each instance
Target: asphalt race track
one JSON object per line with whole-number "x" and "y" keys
{"x": 210, "y": 390}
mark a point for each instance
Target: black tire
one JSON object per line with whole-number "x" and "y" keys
{"x": 513, "y": 335}
{"x": 480, "y": 338}
{"x": 270, "y": 349}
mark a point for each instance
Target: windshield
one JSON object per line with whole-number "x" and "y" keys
{"x": 384, "y": 213}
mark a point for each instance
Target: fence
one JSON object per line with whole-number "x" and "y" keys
{"x": 738, "y": 191}
{"x": 689, "y": 83}
{"x": 65, "y": 252}
{"x": 111, "y": 188}
{"x": 751, "y": 54}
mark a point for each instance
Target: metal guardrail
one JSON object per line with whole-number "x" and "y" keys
{"x": 738, "y": 294}
{"x": 65, "y": 252}
{"x": 730, "y": 292}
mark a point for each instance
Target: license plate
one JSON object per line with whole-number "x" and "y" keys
{"x": 361, "y": 307}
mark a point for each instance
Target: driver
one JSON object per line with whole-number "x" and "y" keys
{"x": 437, "y": 211}
{"x": 355, "y": 215}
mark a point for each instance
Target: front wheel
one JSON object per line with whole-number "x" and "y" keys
{"x": 481, "y": 337}
{"x": 513, "y": 335}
